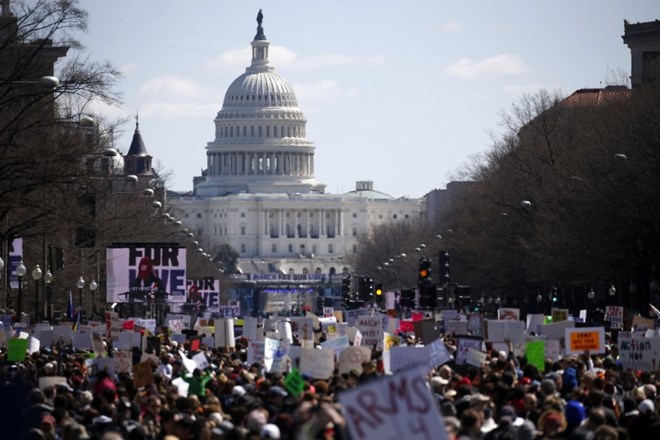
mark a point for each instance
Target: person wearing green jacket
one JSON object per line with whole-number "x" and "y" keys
{"x": 197, "y": 382}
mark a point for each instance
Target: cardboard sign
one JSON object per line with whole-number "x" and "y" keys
{"x": 475, "y": 358}
{"x": 587, "y": 338}
{"x": 275, "y": 355}
{"x": 352, "y": 359}
{"x": 559, "y": 315}
{"x": 426, "y": 330}
{"x": 371, "y": 328}
{"x": 82, "y": 340}
{"x": 552, "y": 349}
{"x": 398, "y": 406}
{"x": 556, "y": 330}
{"x": 142, "y": 375}
{"x": 255, "y": 352}
{"x": 336, "y": 344}
{"x": 476, "y": 324}
{"x": 201, "y": 361}
{"x": 224, "y": 333}
{"x": 639, "y": 354}
{"x": 316, "y": 363}
{"x": 438, "y": 353}
{"x": 456, "y": 327}
{"x": 534, "y": 320}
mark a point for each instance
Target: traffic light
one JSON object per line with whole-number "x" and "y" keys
{"x": 379, "y": 289}
{"x": 407, "y": 298}
{"x": 365, "y": 288}
{"x": 427, "y": 297}
{"x": 554, "y": 297}
{"x": 424, "y": 277}
{"x": 445, "y": 264}
{"x": 346, "y": 292}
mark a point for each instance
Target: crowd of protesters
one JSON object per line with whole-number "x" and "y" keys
{"x": 577, "y": 397}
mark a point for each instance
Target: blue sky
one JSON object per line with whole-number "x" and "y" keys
{"x": 401, "y": 93}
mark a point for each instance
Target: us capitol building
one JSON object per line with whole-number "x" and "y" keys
{"x": 258, "y": 192}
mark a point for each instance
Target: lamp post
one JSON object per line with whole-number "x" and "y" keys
{"x": 48, "y": 303}
{"x": 21, "y": 270}
{"x": 3, "y": 277}
{"x": 80, "y": 284}
{"x": 92, "y": 287}
{"x": 36, "y": 276}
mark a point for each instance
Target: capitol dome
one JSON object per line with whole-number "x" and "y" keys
{"x": 260, "y": 143}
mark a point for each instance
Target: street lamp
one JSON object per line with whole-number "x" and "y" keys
{"x": 93, "y": 286}
{"x": 612, "y": 290}
{"x": 80, "y": 284}
{"x": 36, "y": 276}
{"x": 21, "y": 270}
{"x": 48, "y": 312}
{"x": 591, "y": 294}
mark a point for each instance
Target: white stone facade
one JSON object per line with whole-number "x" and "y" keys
{"x": 259, "y": 195}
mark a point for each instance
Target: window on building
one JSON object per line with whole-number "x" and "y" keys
{"x": 355, "y": 231}
{"x": 186, "y": 215}
{"x": 394, "y": 216}
{"x": 290, "y": 248}
{"x": 355, "y": 248}
{"x": 243, "y": 248}
{"x": 313, "y": 248}
{"x": 273, "y": 248}
{"x": 331, "y": 248}
{"x": 199, "y": 215}
{"x": 242, "y": 215}
{"x": 242, "y": 230}
{"x": 355, "y": 215}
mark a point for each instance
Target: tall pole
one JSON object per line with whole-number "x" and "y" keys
{"x": 20, "y": 273}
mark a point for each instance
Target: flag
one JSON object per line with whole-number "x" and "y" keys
{"x": 69, "y": 307}
{"x": 654, "y": 310}
{"x": 74, "y": 327}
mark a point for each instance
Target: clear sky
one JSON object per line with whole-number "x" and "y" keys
{"x": 402, "y": 93}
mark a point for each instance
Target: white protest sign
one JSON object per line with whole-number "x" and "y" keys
{"x": 336, "y": 344}
{"x": 255, "y": 351}
{"x": 62, "y": 333}
{"x": 352, "y": 359}
{"x": 614, "y": 314}
{"x": 97, "y": 345}
{"x": 552, "y": 349}
{"x": 250, "y": 329}
{"x": 475, "y": 358}
{"x": 33, "y": 344}
{"x": 82, "y": 340}
{"x": 181, "y": 386}
{"x": 317, "y": 363}
{"x": 405, "y": 357}
{"x": 508, "y": 313}
{"x": 534, "y": 320}
{"x": 149, "y": 324}
{"x": 188, "y": 363}
{"x": 393, "y": 407}
{"x": 127, "y": 340}
{"x": 456, "y": 327}
{"x": 275, "y": 355}
{"x": 123, "y": 361}
{"x": 302, "y": 327}
{"x": 463, "y": 345}
{"x": 500, "y": 331}
{"x": 201, "y": 361}
{"x": 639, "y": 354}
{"x": 224, "y": 333}
{"x": 50, "y": 381}
{"x": 371, "y": 328}
{"x": 438, "y": 354}
{"x": 46, "y": 337}
{"x": 556, "y": 330}
{"x": 176, "y": 325}
{"x": 105, "y": 364}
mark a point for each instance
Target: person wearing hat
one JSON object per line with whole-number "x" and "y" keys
{"x": 505, "y": 428}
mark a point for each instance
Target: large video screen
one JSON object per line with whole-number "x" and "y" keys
{"x": 146, "y": 272}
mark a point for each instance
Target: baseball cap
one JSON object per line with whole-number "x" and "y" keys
{"x": 270, "y": 431}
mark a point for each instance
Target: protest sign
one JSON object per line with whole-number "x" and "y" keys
{"x": 181, "y": 386}
{"x": 534, "y": 320}
{"x": 578, "y": 340}
{"x": 352, "y": 359}
{"x": 353, "y": 315}
{"x": 371, "y": 328}
{"x": 390, "y": 341}
{"x": 224, "y": 333}
{"x": 438, "y": 354}
{"x": 201, "y": 361}
{"x": 399, "y": 406}
{"x": 535, "y": 353}
{"x": 255, "y": 352}
{"x": 552, "y": 349}
{"x": 406, "y": 326}
{"x": 456, "y": 327}
{"x": 556, "y": 330}
{"x": 501, "y": 331}
{"x": 16, "y": 349}
{"x": 294, "y": 382}
{"x": 336, "y": 344}
{"x": 449, "y": 315}
{"x": 275, "y": 355}
{"x": 426, "y": 330}
{"x": 640, "y": 321}
{"x": 302, "y": 328}
{"x": 639, "y": 354}
{"x": 142, "y": 374}
{"x": 475, "y": 358}
{"x": 463, "y": 345}
{"x": 33, "y": 344}
{"x": 123, "y": 361}
{"x": 476, "y": 324}
{"x": 406, "y": 357}
{"x": 97, "y": 345}
{"x": 188, "y": 363}
{"x": 82, "y": 340}
{"x": 62, "y": 333}
{"x": 614, "y": 315}
{"x": 51, "y": 381}
{"x": 105, "y": 364}
{"x": 317, "y": 363}
{"x": 559, "y": 315}
{"x": 508, "y": 313}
